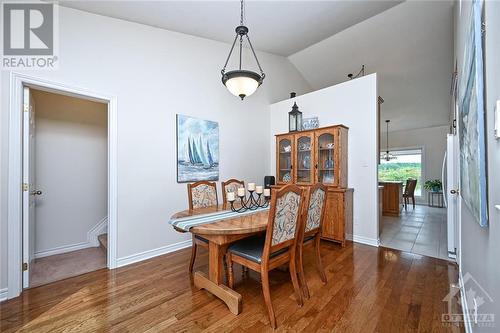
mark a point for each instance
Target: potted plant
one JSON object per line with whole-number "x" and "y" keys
{"x": 433, "y": 185}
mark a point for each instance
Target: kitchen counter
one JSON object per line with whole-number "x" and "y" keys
{"x": 392, "y": 197}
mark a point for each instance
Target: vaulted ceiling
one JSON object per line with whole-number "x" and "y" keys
{"x": 408, "y": 44}
{"x": 279, "y": 27}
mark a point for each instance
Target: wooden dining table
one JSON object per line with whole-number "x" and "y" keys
{"x": 220, "y": 232}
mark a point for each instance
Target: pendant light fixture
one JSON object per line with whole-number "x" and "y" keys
{"x": 240, "y": 82}
{"x": 387, "y": 156}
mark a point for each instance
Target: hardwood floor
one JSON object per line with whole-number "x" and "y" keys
{"x": 369, "y": 290}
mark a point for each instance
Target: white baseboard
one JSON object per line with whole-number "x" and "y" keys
{"x": 152, "y": 253}
{"x": 4, "y": 294}
{"x": 92, "y": 241}
{"x": 465, "y": 307}
{"x": 63, "y": 249}
{"x": 99, "y": 229}
{"x": 366, "y": 240}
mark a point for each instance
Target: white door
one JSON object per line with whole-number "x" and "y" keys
{"x": 451, "y": 193}
{"x": 29, "y": 189}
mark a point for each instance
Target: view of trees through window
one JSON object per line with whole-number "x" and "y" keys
{"x": 406, "y": 164}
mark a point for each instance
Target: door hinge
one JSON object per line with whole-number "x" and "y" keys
{"x": 25, "y": 266}
{"x": 26, "y": 108}
{"x": 26, "y": 187}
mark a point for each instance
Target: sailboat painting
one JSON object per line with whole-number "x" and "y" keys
{"x": 471, "y": 120}
{"x": 197, "y": 149}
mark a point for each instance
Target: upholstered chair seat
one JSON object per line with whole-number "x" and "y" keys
{"x": 252, "y": 248}
{"x": 308, "y": 238}
{"x": 204, "y": 240}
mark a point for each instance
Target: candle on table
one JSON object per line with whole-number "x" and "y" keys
{"x": 267, "y": 192}
{"x": 258, "y": 189}
{"x": 251, "y": 186}
{"x": 230, "y": 196}
{"x": 241, "y": 192}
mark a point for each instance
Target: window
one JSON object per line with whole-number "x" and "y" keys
{"x": 406, "y": 164}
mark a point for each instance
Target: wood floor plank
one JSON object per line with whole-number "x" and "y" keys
{"x": 369, "y": 290}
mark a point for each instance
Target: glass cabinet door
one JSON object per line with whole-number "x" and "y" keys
{"x": 325, "y": 148}
{"x": 304, "y": 164}
{"x": 284, "y": 160}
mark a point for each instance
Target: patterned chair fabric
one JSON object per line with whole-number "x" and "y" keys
{"x": 315, "y": 208}
{"x": 233, "y": 187}
{"x": 203, "y": 196}
{"x": 285, "y": 218}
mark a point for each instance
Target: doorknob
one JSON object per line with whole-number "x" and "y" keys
{"x": 37, "y": 192}
{"x": 454, "y": 191}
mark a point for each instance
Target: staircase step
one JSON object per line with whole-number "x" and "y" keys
{"x": 103, "y": 240}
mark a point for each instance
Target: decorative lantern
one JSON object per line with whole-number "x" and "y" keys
{"x": 294, "y": 117}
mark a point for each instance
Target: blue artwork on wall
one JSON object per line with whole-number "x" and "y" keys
{"x": 197, "y": 149}
{"x": 471, "y": 117}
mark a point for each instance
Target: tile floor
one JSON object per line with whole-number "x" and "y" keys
{"x": 420, "y": 231}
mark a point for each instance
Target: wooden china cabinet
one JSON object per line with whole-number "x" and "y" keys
{"x": 320, "y": 155}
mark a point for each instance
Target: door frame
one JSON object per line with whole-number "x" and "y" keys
{"x": 15, "y": 174}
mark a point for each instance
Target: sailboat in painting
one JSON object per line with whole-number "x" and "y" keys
{"x": 209, "y": 156}
{"x": 197, "y": 149}
{"x": 195, "y": 155}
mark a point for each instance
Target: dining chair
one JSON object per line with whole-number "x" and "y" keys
{"x": 201, "y": 194}
{"x": 311, "y": 223}
{"x": 231, "y": 185}
{"x": 277, "y": 247}
{"x": 409, "y": 192}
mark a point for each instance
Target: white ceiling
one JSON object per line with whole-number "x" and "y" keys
{"x": 279, "y": 27}
{"x": 409, "y": 46}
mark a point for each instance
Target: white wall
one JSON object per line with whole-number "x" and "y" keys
{"x": 155, "y": 74}
{"x": 409, "y": 46}
{"x": 480, "y": 246}
{"x": 353, "y": 104}
{"x": 70, "y": 169}
{"x": 3, "y": 193}
{"x": 433, "y": 142}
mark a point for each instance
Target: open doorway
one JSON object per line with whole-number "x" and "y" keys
{"x": 412, "y": 166}
{"x": 19, "y": 258}
{"x": 65, "y": 197}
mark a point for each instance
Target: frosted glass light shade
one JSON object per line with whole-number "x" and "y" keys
{"x": 241, "y": 83}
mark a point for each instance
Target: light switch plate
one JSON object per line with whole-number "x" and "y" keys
{"x": 497, "y": 120}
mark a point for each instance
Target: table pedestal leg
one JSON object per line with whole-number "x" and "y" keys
{"x": 215, "y": 278}
{"x": 226, "y": 294}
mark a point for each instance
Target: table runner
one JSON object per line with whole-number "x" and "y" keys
{"x": 186, "y": 223}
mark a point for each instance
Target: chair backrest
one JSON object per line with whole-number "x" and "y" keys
{"x": 410, "y": 186}
{"x": 231, "y": 185}
{"x": 287, "y": 206}
{"x": 315, "y": 212}
{"x": 202, "y": 194}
